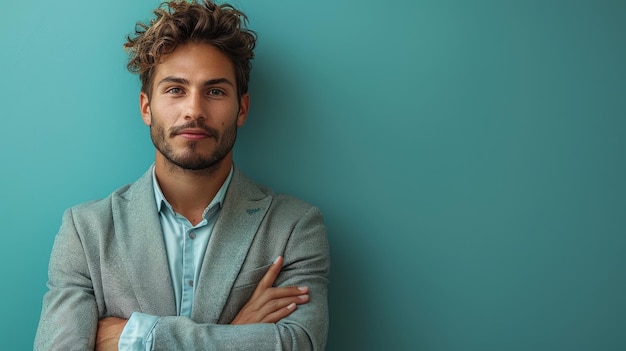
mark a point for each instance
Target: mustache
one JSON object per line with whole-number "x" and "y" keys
{"x": 197, "y": 124}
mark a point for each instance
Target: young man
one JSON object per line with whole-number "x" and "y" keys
{"x": 193, "y": 255}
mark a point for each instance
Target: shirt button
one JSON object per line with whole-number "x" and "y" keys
{"x": 192, "y": 235}
{"x": 191, "y": 283}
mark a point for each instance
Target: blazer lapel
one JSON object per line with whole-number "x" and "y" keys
{"x": 140, "y": 237}
{"x": 244, "y": 208}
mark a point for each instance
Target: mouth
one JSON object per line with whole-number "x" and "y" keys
{"x": 193, "y": 134}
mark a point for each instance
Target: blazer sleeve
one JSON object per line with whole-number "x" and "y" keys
{"x": 307, "y": 262}
{"x": 69, "y": 316}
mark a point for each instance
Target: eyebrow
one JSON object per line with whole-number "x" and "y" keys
{"x": 184, "y": 81}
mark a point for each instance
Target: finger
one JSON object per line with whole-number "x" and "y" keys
{"x": 272, "y": 303}
{"x": 268, "y": 279}
{"x": 275, "y": 310}
{"x": 279, "y": 314}
{"x": 270, "y": 295}
{"x": 274, "y": 307}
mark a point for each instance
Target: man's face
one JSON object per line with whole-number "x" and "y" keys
{"x": 194, "y": 111}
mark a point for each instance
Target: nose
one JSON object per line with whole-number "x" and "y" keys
{"x": 194, "y": 108}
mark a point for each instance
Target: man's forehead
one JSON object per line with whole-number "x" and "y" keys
{"x": 195, "y": 61}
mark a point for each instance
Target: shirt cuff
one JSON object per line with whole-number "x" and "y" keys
{"x": 137, "y": 334}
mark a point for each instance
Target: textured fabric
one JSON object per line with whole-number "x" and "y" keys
{"x": 137, "y": 334}
{"x": 185, "y": 245}
{"x": 109, "y": 260}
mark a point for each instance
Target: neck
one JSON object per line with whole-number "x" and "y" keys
{"x": 189, "y": 191}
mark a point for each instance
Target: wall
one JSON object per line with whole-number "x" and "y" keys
{"x": 469, "y": 157}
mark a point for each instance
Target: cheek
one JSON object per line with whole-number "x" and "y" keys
{"x": 156, "y": 130}
{"x": 165, "y": 112}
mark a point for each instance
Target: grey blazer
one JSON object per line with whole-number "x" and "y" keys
{"x": 109, "y": 259}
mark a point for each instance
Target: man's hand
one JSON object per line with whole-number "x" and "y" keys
{"x": 109, "y": 331}
{"x": 270, "y": 304}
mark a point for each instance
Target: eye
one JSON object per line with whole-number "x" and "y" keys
{"x": 174, "y": 91}
{"x": 215, "y": 92}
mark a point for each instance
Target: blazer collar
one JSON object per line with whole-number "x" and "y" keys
{"x": 139, "y": 233}
{"x": 245, "y": 206}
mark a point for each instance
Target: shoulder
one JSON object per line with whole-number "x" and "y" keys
{"x": 99, "y": 205}
{"x": 94, "y": 213}
{"x": 136, "y": 196}
{"x": 141, "y": 188}
{"x": 280, "y": 203}
{"x": 293, "y": 206}
{"x": 289, "y": 212}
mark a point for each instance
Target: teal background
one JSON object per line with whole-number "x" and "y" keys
{"x": 469, "y": 157}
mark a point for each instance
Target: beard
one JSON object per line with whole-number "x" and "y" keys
{"x": 191, "y": 156}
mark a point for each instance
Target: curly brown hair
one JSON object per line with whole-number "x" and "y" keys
{"x": 179, "y": 22}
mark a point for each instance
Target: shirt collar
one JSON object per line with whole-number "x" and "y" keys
{"x": 217, "y": 200}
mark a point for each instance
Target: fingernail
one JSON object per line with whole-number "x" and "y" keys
{"x": 276, "y": 260}
{"x": 291, "y": 306}
{"x": 303, "y": 288}
{"x": 303, "y": 297}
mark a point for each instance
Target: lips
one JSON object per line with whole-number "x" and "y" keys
{"x": 194, "y": 130}
{"x": 193, "y": 134}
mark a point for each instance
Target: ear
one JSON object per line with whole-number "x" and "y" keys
{"x": 144, "y": 107}
{"x": 244, "y": 106}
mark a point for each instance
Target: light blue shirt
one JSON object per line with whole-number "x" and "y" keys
{"x": 185, "y": 246}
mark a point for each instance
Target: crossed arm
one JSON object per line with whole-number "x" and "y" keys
{"x": 267, "y": 304}
{"x": 74, "y": 307}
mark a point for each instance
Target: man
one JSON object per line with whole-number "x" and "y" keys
{"x": 193, "y": 255}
